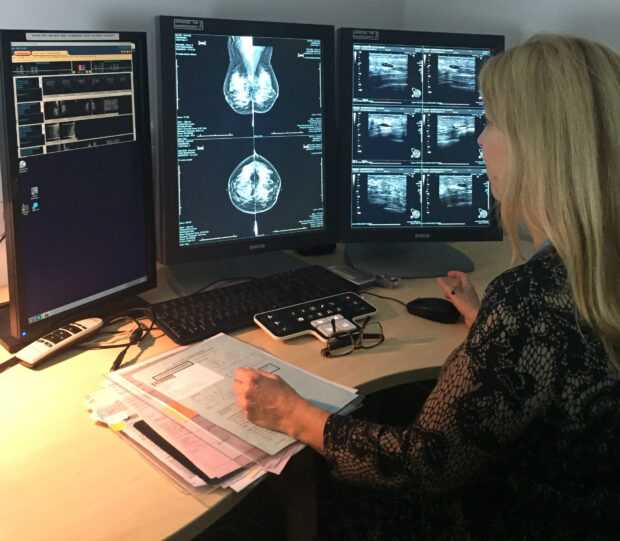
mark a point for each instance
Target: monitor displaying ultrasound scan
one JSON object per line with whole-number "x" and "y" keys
{"x": 414, "y": 110}
{"x": 412, "y": 176}
{"x": 246, "y": 113}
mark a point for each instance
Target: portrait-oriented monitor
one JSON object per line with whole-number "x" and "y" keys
{"x": 245, "y": 145}
{"x": 413, "y": 177}
{"x": 76, "y": 177}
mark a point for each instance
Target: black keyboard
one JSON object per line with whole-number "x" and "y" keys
{"x": 229, "y": 308}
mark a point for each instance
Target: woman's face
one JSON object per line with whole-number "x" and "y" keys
{"x": 494, "y": 147}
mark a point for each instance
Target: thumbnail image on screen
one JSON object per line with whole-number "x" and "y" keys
{"x": 416, "y": 115}
{"x": 249, "y": 137}
{"x": 72, "y": 95}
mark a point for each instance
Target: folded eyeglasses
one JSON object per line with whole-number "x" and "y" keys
{"x": 367, "y": 335}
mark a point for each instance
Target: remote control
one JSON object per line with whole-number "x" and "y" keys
{"x": 56, "y": 340}
{"x": 315, "y": 317}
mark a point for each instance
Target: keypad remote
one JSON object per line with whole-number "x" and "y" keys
{"x": 56, "y": 340}
{"x": 315, "y": 317}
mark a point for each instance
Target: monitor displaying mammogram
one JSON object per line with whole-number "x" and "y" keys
{"x": 249, "y": 136}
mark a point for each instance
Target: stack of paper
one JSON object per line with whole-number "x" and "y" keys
{"x": 180, "y": 411}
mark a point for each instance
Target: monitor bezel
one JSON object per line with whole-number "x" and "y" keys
{"x": 13, "y": 336}
{"x": 345, "y": 40}
{"x": 169, "y": 251}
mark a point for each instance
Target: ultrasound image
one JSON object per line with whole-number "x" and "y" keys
{"x": 455, "y": 190}
{"x": 388, "y": 71}
{"x": 452, "y": 130}
{"x": 388, "y": 191}
{"x": 458, "y": 72}
{"x": 390, "y": 127}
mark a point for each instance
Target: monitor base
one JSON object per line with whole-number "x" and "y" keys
{"x": 7, "y": 340}
{"x": 187, "y": 278}
{"x": 407, "y": 259}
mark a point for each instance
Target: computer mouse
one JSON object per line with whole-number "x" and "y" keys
{"x": 433, "y": 308}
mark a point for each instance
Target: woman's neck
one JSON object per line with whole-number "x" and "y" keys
{"x": 538, "y": 237}
{"x": 538, "y": 240}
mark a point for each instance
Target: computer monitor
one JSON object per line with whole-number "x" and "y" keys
{"x": 76, "y": 177}
{"x": 412, "y": 174}
{"x": 246, "y": 158}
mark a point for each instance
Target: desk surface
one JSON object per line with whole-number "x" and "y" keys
{"x": 64, "y": 477}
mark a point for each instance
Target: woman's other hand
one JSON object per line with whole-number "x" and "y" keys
{"x": 462, "y": 293}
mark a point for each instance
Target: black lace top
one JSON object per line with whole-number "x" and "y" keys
{"x": 520, "y": 439}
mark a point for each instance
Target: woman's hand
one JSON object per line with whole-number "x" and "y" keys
{"x": 462, "y": 293}
{"x": 268, "y": 401}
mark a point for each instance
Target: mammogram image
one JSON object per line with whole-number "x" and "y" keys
{"x": 254, "y": 185}
{"x": 391, "y": 127}
{"x": 250, "y": 85}
{"x": 388, "y": 191}
{"x": 455, "y": 190}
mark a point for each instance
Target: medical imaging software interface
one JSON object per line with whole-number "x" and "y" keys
{"x": 417, "y": 113}
{"x": 80, "y": 166}
{"x": 249, "y": 137}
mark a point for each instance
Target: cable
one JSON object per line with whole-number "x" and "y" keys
{"x": 135, "y": 337}
{"x": 384, "y": 297}
{"x": 8, "y": 364}
{"x": 141, "y": 331}
{"x": 233, "y": 280}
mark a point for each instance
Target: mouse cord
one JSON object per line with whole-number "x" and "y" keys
{"x": 7, "y": 364}
{"x": 384, "y": 297}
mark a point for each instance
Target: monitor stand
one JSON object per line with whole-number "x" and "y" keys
{"x": 187, "y": 278}
{"x": 407, "y": 259}
{"x": 7, "y": 340}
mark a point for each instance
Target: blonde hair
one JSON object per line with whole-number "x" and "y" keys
{"x": 557, "y": 99}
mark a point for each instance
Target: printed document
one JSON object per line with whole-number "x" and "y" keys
{"x": 197, "y": 383}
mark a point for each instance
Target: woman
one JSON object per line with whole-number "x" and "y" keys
{"x": 520, "y": 438}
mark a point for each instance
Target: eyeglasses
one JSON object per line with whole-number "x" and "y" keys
{"x": 368, "y": 335}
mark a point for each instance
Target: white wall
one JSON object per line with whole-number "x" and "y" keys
{"x": 518, "y": 19}
{"x": 138, "y": 14}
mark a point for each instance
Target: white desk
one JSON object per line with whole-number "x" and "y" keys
{"x": 63, "y": 477}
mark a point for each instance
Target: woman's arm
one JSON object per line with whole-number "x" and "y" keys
{"x": 487, "y": 394}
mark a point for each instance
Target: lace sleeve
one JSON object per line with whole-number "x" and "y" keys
{"x": 487, "y": 393}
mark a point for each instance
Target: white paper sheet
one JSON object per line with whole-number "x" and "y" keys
{"x": 197, "y": 381}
